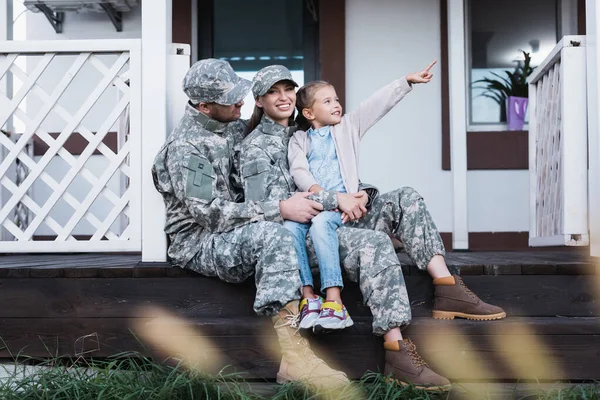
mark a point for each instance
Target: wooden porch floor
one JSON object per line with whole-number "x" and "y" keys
{"x": 470, "y": 263}
{"x": 73, "y": 304}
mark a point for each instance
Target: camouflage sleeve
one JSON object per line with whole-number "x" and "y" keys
{"x": 193, "y": 181}
{"x": 371, "y": 190}
{"x": 235, "y": 177}
{"x": 327, "y": 198}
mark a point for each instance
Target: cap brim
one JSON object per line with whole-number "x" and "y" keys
{"x": 236, "y": 94}
{"x": 270, "y": 85}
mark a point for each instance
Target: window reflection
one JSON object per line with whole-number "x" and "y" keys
{"x": 498, "y": 31}
{"x": 261, "y": 33}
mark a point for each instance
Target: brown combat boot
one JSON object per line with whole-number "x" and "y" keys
{"x": 454, "y": 299}
{"x": 298, "y": 362}
{"x": 407, "y": 367}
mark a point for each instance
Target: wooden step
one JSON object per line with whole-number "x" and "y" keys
{"x": 199, "y": 297}
{"x": 546, "y": 348}
{"x": 66, "y": 305}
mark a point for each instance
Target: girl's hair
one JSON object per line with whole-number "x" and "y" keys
{"x": 305, "y": 98}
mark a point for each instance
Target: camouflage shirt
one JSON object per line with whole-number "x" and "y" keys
{"x": 195, "y": 173}
{"x": 265, "y": 170}
{"x": 264, "y": 165}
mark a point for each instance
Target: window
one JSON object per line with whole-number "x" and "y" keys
{"x": 262, "y": 33}
{"x": 497, "y": 31}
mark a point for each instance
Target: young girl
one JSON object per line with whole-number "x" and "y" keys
{"x": 323, "y": 156}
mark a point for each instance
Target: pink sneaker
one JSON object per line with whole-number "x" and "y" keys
{"x": 332, "y": 316}
{"x": 309, "y": 311}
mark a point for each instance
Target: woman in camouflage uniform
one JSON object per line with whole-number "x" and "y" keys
{"x": 401, "y": 214}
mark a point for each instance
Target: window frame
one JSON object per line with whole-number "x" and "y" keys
{"x": 326, "y": 57}
{"x": 487, "y": 148}
{"x": 499, "y": 126}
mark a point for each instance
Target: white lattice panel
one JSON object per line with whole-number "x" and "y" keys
{"x": 558, "y": 148}
{"x": 548, "y": 155}
{"x": 58, "y": 93}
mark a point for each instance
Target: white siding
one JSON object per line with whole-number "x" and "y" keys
{"x": 386, "y": 39}
{"x": 85, "y": 25}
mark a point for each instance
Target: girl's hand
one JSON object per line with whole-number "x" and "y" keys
{"x": 351, "y": 206}
{"x": 421, "y": 77}
{"x": 363, "y": 198}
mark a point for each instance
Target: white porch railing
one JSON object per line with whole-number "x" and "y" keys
{"x": 558, "y": 154}
{"x": 70, "y": 88}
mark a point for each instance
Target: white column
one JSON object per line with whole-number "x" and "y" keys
{"x": 458, "y": 121}
{"x": 5, "y": 34}
{"x": 593, "y": 94}
{"x": 5, "y": 20}
{"x": 156, "y": 46}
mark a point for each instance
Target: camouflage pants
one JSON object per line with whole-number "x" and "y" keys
{"x": 263, "y": 249}
{"x": 369, "y": 258}
{"x": 403, "y": 214}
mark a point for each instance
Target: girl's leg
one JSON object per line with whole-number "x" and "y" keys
{"x": 298, "y": 232}
{"x": 310, "y": 305}
{"x": 323, "y": 231}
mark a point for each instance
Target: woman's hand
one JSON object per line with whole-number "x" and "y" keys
{"x": 421, "y": 77}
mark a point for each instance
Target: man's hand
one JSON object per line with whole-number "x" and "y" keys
{"x": 421, "y": 77}
{"x": 351, "y": 206}
{"x": 363, "y": 199}
{"x": 299, "y": 209}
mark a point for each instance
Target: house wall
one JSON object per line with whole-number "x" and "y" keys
{"x": 84, "y": 25}
{"x": 404, "y": 148}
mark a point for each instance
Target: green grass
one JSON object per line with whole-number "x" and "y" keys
{"x": 129, "y": 376}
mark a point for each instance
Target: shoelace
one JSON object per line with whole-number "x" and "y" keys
{"x": 294, "y": 322}
{"x": 415, "y": 357}
{"x": 467, "y": 290}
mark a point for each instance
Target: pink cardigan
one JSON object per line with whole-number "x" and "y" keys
{"x": 346, "y": 136}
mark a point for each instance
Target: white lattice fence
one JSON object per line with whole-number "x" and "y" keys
{"x": 62, "y": 95}
{"x": 558, "y": 147}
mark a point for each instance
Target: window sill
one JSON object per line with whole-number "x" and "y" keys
{"x": 494, "y": 150}
{"x": 492, "y": 128}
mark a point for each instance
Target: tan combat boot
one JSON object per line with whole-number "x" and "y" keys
{"x": 454, "y": 299}
{"x": 407, "y": 367}
{"x": 298, "y": 362}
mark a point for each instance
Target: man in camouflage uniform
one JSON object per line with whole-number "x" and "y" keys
{"x": 213, "y": 232}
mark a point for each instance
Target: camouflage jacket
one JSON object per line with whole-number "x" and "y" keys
{"x": 195, "y": 173}
{"x": 265, "y": 170}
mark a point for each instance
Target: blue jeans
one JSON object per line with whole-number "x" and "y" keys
{"x": 323, "y": 233}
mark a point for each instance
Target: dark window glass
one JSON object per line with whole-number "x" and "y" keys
{"x": 497, "y": 32}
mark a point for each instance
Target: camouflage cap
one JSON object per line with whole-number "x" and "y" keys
{"x": 214, "y": 81}
{"x": 268, "y": 76}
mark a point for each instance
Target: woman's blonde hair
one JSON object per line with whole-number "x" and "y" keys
{"x": 305, "y": 98}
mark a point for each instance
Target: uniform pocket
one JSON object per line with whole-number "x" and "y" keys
{"x": 200, "y": 178}
{"x": 256, "y": 179}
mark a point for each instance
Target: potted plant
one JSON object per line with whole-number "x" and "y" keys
{"x": 511, "y": 93}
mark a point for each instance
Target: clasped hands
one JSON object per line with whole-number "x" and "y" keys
{"x": 301, "y": 209}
